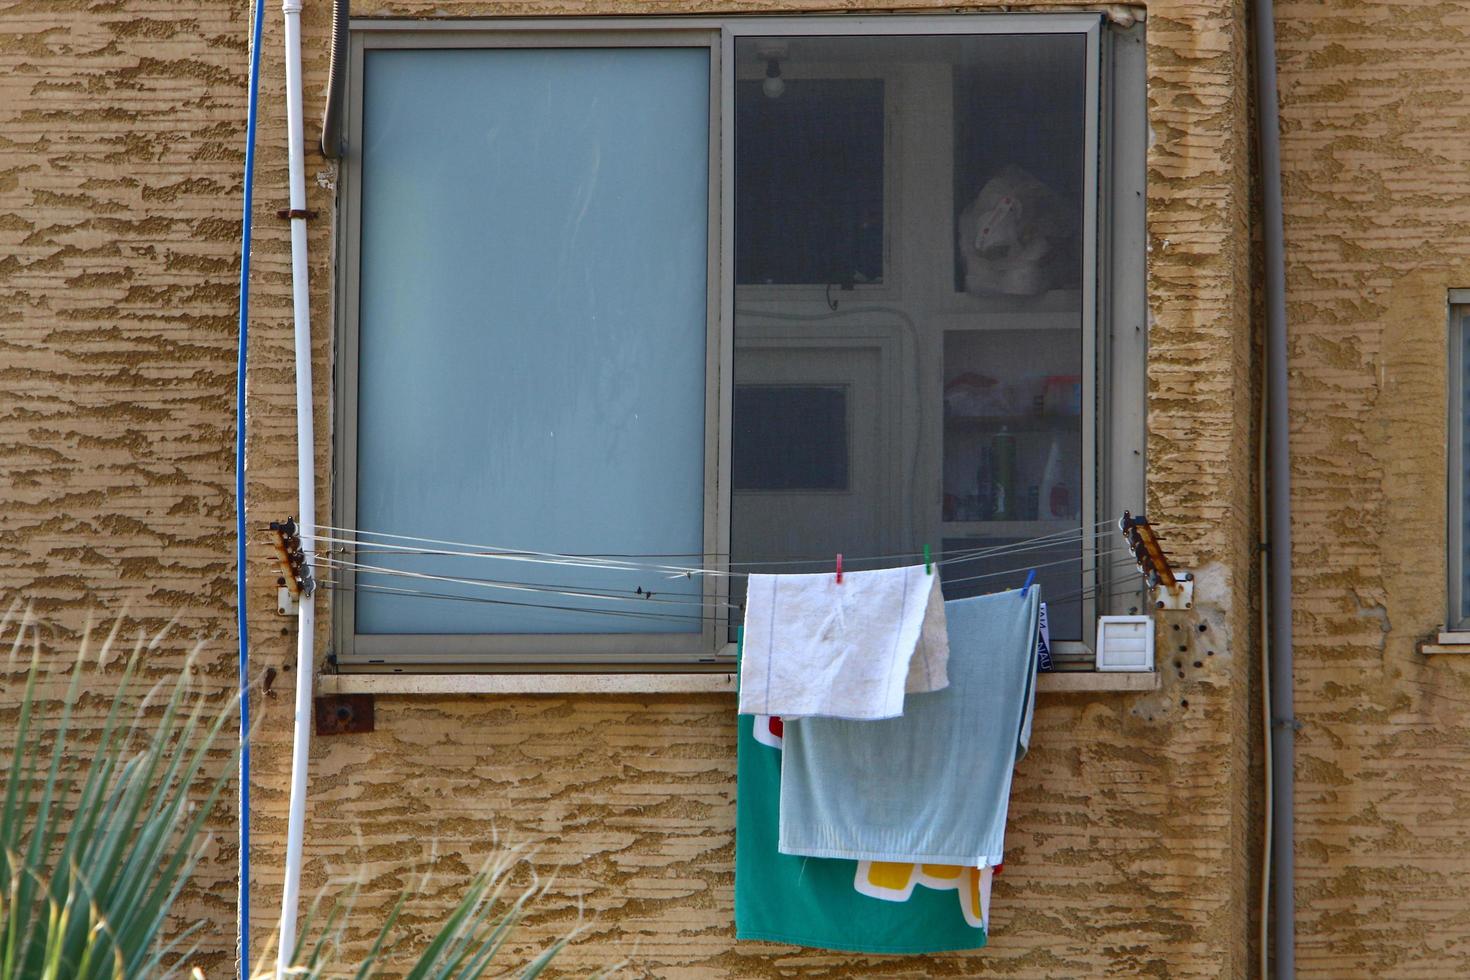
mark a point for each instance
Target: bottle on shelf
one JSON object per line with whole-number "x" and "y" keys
{"x": 985, "y": 485}
{"x": 1003, "y": 462}
{"x": 1054, "y": 502}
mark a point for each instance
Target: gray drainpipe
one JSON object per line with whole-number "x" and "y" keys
{"x": 1278, "y": 492}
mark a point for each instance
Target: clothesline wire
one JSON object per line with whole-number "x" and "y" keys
{"x": 543, "y": 557}
{"x": 486, "y": 600}
{"x": 1048, "y": 564}
{"x": 495, "y": 551}
{"x": 1086, "y": 592}
{"x": 333, "y": 586}
{"x": 941, "y": 558}
{"x": 676, "y": 571}
{"x": 626, "y": 596}
{"x": 514, "y": 586}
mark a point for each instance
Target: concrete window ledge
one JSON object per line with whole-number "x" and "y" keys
{"x": 1447, "y": 642}
{"x": 1096, "y": 681}
{"x": 688, "y": 683}
{"x": 1076, "y": 682}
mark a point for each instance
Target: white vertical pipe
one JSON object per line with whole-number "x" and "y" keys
{"x": 306, "y": 488}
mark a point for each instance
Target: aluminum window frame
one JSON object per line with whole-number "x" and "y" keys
{"x": 1114, "y": 315}
{"x": 512, "y": 650}
{"x": 1457, "y": 316}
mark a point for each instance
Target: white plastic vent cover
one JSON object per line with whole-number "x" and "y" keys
{"x": 1125, "y": 643}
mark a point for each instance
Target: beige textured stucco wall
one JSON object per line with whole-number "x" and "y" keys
{"x": 121, "y": 132}
{"x": 1375, "y": 106}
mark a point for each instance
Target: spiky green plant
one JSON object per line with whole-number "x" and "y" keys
{"x": 465, "y": 947}
{"x": 92, "y": 861}
{"x": 93, "y": 857}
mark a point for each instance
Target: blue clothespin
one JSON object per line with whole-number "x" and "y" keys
{"x": 1030, "y": 577}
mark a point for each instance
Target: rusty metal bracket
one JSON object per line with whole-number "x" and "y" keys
{"x": 291, "y": 214}
{"x": 296, "y": 574}
{"x": 343, "y": 714}
{"x": 1177, "y": 597}
{"x": 1171, "y": 590}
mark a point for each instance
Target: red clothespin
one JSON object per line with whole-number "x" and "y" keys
{"x": 839, "y": 568}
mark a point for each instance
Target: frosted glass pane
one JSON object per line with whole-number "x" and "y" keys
{"x": 532, "y": 330}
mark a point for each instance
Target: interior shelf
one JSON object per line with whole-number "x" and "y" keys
{"x": 1015, "y": 423}
{"x": 1003, "y": 529}
{"x": 1028, "y": 321}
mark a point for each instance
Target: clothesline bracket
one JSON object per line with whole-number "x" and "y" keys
{"x": 296, "y": 579}
{"x": 1170, "y": 590}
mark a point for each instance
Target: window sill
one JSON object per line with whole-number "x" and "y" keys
{"x": 1059, "y": 682}
{"x": 1098, "y": 681}
{"x": 685, "y": 683}
{"x": 1447, "y": 642}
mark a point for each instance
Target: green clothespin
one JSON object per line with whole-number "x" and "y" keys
{"x": 928, "y": 565}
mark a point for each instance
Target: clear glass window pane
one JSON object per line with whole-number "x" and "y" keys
{"x": 918, "y": 243}
{"x": 532, "y": 335}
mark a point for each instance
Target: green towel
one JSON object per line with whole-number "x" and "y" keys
{"x": 833, "y": 903}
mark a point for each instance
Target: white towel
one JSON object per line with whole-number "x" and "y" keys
{"x": 817, "y": 648}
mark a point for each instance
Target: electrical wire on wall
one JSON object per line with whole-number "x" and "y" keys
{"x": 242, "y": 919}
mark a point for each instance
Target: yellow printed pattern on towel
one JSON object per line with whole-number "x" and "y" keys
{"x": 892, "y": 881}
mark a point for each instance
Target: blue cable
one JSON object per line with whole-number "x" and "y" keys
{"x": 242, "y": 938}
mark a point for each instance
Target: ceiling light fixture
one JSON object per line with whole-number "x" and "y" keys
{"x": 772, "y": 53}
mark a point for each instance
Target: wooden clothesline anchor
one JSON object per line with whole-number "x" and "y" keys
{"x": 1170, "y": 589}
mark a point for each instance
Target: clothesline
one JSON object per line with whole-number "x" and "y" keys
{"x": 717, "y": 610}
{"x": 942, "y": 557}
{"x": 334, "y": 586}
{"x": 356, "y": 538}
{"x": 685, "y": 571}
{"x": 646, "y": 596}
{"x": 376, "y": 547}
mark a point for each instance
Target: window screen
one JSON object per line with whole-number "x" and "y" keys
{"x": 968, "y": 385}
{"x": 810, "y": 201}
{"x": 790, "y": 437}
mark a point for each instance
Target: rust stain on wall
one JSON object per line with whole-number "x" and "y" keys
{"x": 121, "y": 130}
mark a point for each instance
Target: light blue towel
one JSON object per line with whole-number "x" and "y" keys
{"x": 932, "y": 786}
